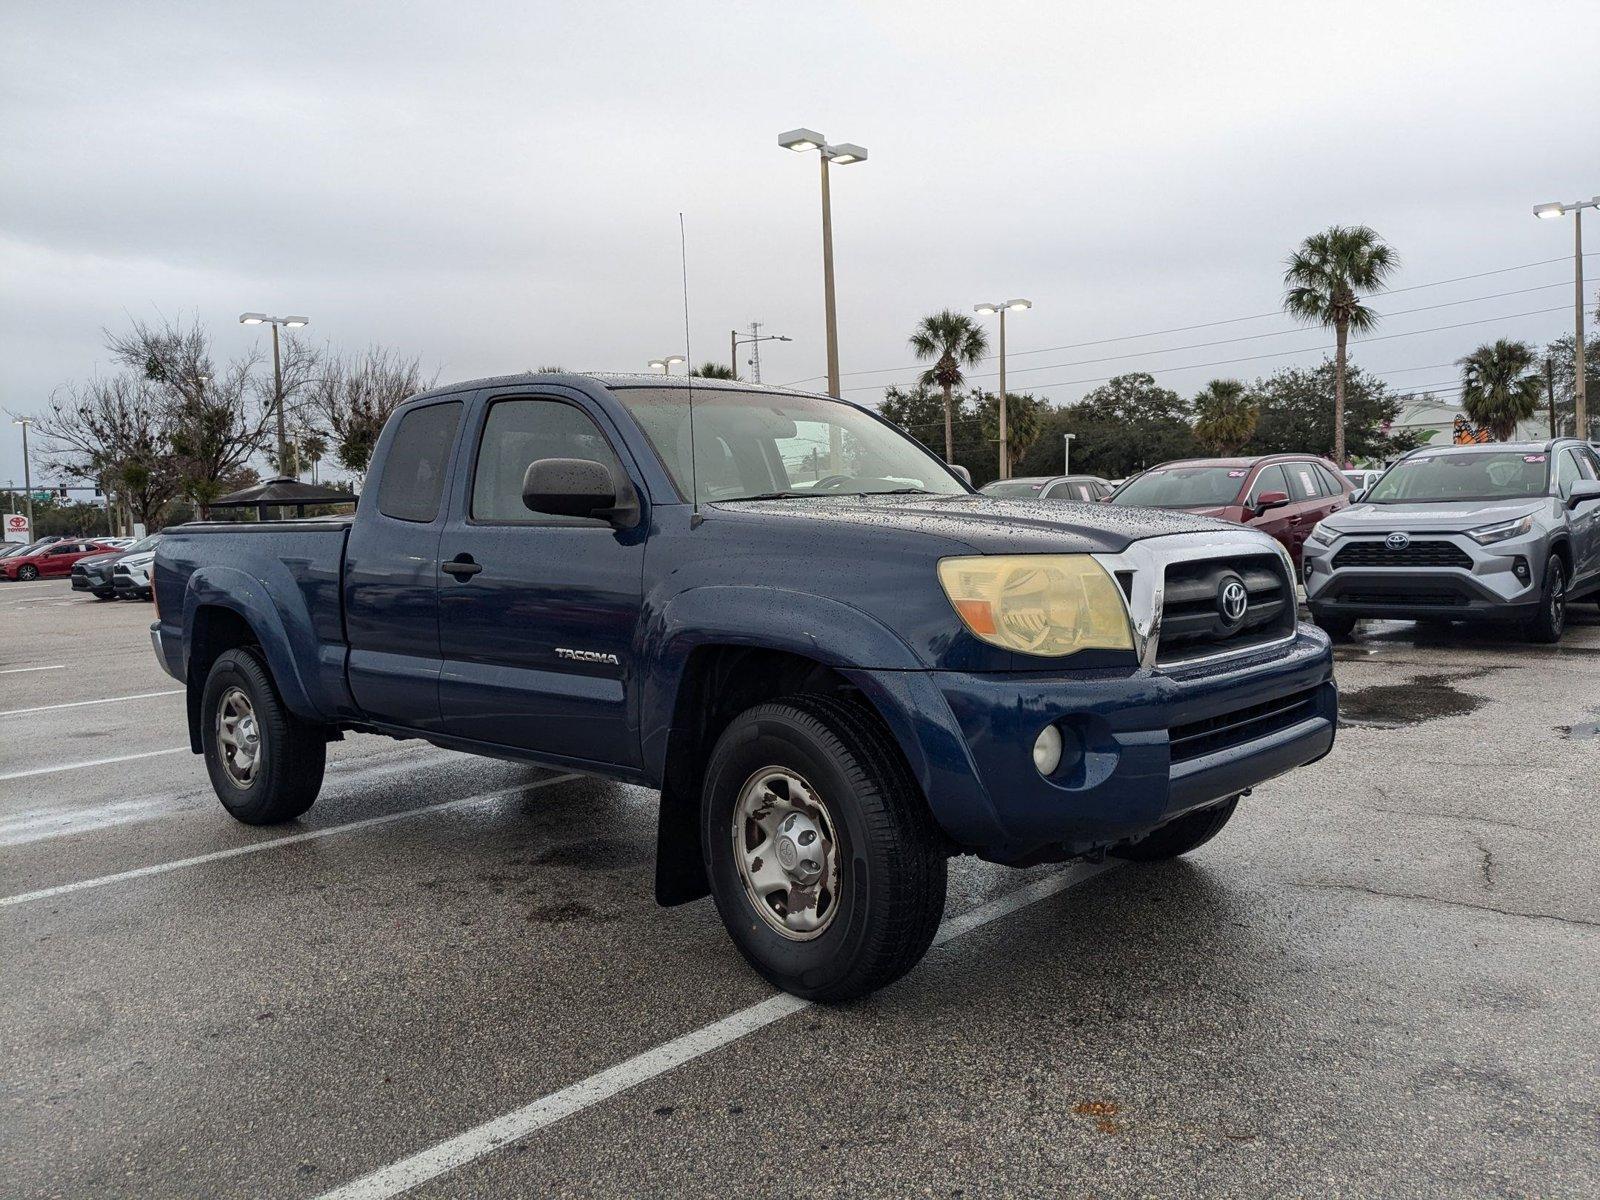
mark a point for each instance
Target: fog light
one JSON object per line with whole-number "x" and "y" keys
{"x": 1519, "y": 568}
{"x": 1047, "y": 750}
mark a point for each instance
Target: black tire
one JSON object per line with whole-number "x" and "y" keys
{"x": 292, "y": 752}
{"x": 28, "y": 573}
{"x": 105, "y": 595}
{"x": 1187, "y": 833}
{"x": 891, "y": 856}
{"x": 1336, "y": 625}
{"x": 1550, "y": 619}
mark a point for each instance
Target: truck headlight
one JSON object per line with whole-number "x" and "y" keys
{"x": 1051, "y": 605}
{"x": 1488, "y": 535}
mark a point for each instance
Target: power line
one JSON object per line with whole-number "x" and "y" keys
{"x": 1223, "y": 362}
{"x": 1236, "y": 320}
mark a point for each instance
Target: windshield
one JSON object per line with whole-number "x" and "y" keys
{"x": 1468, "y": 475}
{"x": 1184, "y": 487}
{"x": 758, "y": 445}
{"x": 148, "y": 543}
{"x": 1014, "y": 489}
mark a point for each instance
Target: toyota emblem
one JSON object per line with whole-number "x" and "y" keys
{"x": 1232, "y": 600}
{"x": 1397, "y": 541}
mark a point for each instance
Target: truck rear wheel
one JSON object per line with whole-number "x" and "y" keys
{"x": 265, "y": 763}
{"x": 1187, "y": 833}
{"x": 825, "y": 863}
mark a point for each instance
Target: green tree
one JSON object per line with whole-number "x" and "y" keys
{"x": 1562, "y": 367}
{"x": 1500, "y": 386}
{"x": 1224, "y": 416}
{"x": 952, "y": 340}
{"x": 1025, "y": 414}
{"x": 713, "y": 370}
{"x": 1324, "y": 281}
{"x": 1294, "y": 413}
{"x": 920, "y": 411}
{"x": 1122, "y": 426}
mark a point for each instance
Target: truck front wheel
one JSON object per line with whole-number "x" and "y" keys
{"x": 824, "y": 861}
{"x": 1187, "y": 833}
{"x": 265, "y": 763}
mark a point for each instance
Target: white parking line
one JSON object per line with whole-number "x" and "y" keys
{"x": 93, "y": 762}
{"x": 484, "y": 1139}
{"x": 66, "y": 820}
{"x": 235, "y": 851}
{"x": 17, "y": 712}
{"x": 20, "y": 670}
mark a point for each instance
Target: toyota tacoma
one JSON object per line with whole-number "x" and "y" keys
{"x": 836, "y": 662}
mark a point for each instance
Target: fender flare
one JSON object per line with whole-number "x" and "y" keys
{"x": 277, "y": 630}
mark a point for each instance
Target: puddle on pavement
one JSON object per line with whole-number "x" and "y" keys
{"x": 1424, "y": 698}
{"x": 1582, "y": 732}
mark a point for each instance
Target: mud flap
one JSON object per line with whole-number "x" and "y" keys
{"x": 680, "y": 867}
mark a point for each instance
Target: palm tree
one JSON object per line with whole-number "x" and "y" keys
{"x": 1325, "y": 279}
{"x": 953, "y": 340}
{"x": 713, "y": 370}
{"x": 1225, "y": 416}
{"x": 1500, "y": 387}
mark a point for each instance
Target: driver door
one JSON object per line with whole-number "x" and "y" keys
{"x": 538, "y": 640}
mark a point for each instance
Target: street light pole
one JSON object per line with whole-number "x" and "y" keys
{"x": 753, "y": 340}
{"x": 1580, "y": 383}
{"x": 1002, "y": 309}
{"x": 255, "y": 318}
{"x": 1066, "y": 443}
{"x": 844, "y": 153}
{"x": 27, "y": 475}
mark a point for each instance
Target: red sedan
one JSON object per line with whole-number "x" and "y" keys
{"x": 51, "y": 560}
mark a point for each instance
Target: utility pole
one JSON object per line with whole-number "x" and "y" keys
{"x": 1066, "y": 442}
{"x": 27, "y": 473}
{"x": 755, "y": 338}
{"x": 1580, "y": 382}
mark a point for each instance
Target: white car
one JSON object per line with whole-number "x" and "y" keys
{"x": 131, "y": 576}
{"x": 1362, "y": 478}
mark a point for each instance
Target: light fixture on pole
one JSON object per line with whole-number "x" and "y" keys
{"x": 1580, "y": 405}
{"x": 844, "y": 153}
{"x": 664, "y": 365}
{"x": 1066, "y": 444}
{"x": 1002, "y": 309}
{"x": 753, "y": 340}
{"x": 255, "y": 318}
{"x": 27, "y": 475}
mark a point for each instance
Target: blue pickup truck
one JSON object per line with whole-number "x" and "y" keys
{"x": 838, "y": 664}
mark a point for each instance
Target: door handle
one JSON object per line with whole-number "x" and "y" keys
{"x": 462, "y": 567}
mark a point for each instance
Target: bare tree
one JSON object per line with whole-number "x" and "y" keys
{"x": 352, "y": 399}
{"x": 216, "y": 419}
{"x": 117, "y": 433}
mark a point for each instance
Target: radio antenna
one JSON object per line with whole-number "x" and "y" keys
{"x": 688, "y": 365}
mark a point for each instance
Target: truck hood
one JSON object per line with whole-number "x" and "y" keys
{"x": 1454, "y": 517}
{"x": 984, "y": 523}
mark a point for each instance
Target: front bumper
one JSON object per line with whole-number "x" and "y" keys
{"x": 83, "y": 581}
{"x": 1143, "y": 748}
{"x": 1489, "y": 589}
{"x": 132, "y": 584}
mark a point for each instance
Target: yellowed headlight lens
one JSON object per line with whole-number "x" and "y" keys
{"x": 1051, "y": 605}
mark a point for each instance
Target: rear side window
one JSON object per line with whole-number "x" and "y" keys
{"x": 1331, "y": 485}
{"x": 413, "y": 472}
{"x": 1303, "y": 479}
{"x": 520, "y": 431}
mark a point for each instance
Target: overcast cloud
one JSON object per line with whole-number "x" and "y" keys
{"x": 495, "y": 186}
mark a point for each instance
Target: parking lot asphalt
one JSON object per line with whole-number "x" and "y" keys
{"x": 1380, "y": 980}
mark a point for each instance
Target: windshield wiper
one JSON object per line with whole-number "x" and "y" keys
{"x": 772, "y": 496}
{"x": 901, "y": 492}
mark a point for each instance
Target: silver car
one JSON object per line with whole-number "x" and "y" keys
{"x": 1508, "y": 531}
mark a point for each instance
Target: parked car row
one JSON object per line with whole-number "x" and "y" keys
{"x": 1506, "y": 532}
{"x": 113, "y": 567}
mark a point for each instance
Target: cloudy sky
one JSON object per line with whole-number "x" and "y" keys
{"x": 495, "y": 186}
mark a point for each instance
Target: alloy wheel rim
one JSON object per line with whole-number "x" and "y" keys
{"x": 788, "y": 853}
{"x": 239, "y": 737}
{"x": 1558, "y": 599}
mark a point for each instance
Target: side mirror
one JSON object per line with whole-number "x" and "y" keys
{"x": 1270, "y": 500}
{"x": 578, "y": 487}
{"x": 966, "y": 475}
{"x": 1583, "y": 490}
